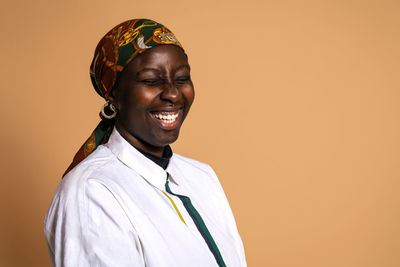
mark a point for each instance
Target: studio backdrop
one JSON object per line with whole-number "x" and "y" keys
{"x": 297, "y": 110}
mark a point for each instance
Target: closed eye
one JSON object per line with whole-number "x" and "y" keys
{"x": 182, "y": 80}
{"x": 152, "y": 82}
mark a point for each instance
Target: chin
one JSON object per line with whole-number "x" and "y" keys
{"x": 167, "y": 140}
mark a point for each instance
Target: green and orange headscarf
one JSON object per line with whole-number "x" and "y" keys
{"x": 113, "y": 53}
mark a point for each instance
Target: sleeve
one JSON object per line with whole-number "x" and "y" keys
{"x": 90, "y": 228}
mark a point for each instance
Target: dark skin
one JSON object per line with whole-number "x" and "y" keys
{"x": 153, "y": 95}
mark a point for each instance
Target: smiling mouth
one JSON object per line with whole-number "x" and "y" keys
{"x": 167, "y": 118}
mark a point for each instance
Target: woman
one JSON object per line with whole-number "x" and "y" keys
{"x": 126, "y": 199}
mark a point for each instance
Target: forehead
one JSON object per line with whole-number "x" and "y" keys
{"x": 159, "y": 56}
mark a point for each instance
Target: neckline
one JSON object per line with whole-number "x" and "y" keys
{"x": 160, "y": 161}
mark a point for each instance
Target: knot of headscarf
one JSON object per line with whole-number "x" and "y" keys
{"x": 113, "y": 53}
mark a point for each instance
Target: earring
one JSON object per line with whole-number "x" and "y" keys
{"x": 109, "y": 106}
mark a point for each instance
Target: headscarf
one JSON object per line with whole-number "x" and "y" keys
{"x": 113, "y": 53}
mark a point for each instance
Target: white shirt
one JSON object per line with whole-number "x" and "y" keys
{"x": 113, "y": 210}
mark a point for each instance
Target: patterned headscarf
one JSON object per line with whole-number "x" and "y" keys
{"x": 113, "y": 53}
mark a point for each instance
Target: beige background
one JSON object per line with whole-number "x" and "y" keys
{"x": 297, "y": 110}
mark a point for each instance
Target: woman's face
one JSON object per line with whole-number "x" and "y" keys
{"x": 153, "y": 96}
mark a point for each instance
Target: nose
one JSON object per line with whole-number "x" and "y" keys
{"x": 170, "y": 92}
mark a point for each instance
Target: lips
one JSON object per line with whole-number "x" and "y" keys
{"x": 167, "y": 119}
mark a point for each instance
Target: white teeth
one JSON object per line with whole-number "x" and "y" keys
{"x": 167, "y": 117}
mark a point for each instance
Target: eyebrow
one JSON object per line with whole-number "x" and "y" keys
{"x": 185, "y": 66}
{"x": 149, "y": 69}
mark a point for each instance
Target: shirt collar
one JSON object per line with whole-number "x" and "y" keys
{"x": 160, "y": 161}
{"x": 132, "y": 158}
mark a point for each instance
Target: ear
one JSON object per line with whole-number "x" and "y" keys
{"x": 111, "y": 97}
{"x": 115, "y": 93}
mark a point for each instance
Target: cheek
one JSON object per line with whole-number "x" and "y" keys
{"x": 188, "y": 93}
{"x": 140, "y": 98}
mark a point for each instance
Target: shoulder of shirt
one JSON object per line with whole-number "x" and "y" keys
{"x": 91, "y": 167}
{"x": 73, "y": 188}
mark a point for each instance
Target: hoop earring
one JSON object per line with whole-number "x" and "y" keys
{"x": 111, "y": 107}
